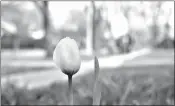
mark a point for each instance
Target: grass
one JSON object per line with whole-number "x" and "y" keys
{"x": 8, "y": 69}
{"x": 129, "y": 84}
{"x": 149, "y": 85}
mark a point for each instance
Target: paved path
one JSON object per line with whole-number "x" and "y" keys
{"x": 44, "y": 78}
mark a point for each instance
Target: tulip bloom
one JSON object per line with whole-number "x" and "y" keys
{"x": 67, "y": 56}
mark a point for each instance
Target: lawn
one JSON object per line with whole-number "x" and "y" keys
{"x": 136, "y": 82}
{"x": 148, "y": 85}
{"x": 29, "y": 64}
{"x": 25, "y": 65}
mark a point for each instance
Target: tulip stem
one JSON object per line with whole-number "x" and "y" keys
{"x": 70, "y": 92}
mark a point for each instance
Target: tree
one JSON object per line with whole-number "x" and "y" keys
{"x": 90, "y": 31}
{"x": 11, "y": 16}
{"x": 155, "y": 29}
{"x": 24, "y": 16}
{"x": 43, "y": 6}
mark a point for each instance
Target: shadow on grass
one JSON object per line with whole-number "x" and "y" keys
{"x": 15, "y": 70}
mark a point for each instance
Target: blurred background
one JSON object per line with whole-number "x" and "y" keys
{"x": 30, "y": 31}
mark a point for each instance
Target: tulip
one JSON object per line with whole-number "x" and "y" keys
{"x": 66, "y": 55}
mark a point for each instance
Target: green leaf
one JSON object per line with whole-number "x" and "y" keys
{"x": 96, "y": 64}
{"x": 96, "y": 89}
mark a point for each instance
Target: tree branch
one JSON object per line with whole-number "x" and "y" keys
{"x": 39, "y": 6}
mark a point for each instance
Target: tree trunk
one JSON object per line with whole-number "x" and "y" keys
{"x": 45, "y": 13}
{"x": 16, "y": 45}
{"x": 156, "y": 27}
{"x": 94, "y": 26}
{"x": 16, "y": 38}
{"x": 46, "y": 29}
{"x": 90, "y": 33}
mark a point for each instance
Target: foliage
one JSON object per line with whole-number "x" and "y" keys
{"x": 17, "y": 13}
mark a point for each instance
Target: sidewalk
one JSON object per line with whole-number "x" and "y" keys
{"x": 44, "y": 78}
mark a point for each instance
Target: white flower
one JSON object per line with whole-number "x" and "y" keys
{"x": 67, "y": 56}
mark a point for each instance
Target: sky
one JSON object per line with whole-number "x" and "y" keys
{"x": 59, "y": 10}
